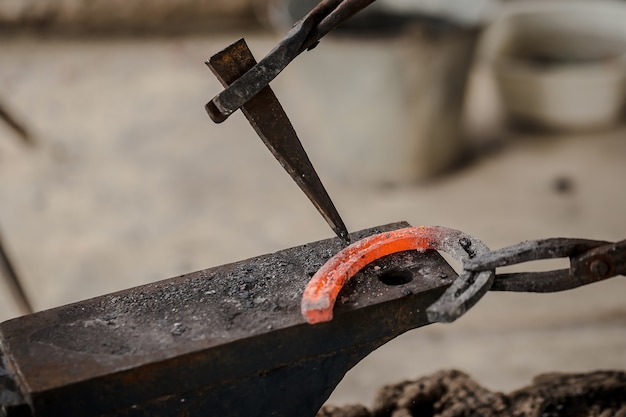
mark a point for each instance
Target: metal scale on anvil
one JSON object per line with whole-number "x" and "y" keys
{"x": 235, "y": 340}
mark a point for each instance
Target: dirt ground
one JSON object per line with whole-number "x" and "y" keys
{"x": 455, "y": 394}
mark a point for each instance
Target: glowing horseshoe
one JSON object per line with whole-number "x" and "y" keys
{"x": 322, "y": 290}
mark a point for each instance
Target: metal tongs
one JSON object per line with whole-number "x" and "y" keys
{"x": 305, "y": 35}
{"x": 590, "y": 261}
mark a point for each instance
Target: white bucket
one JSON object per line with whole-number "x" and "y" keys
{"x": 560, "y": 64}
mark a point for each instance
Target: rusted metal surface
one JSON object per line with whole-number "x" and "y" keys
{"x": 269, "y": 120}
{"x": 229, "y": 340}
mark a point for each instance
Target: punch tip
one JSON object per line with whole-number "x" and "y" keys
{"x": 343, "y": 234}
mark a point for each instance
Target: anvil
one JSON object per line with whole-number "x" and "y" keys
{"x": 224, "y": 341}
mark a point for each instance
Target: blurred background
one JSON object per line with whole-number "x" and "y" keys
{"x": 501, "y": 119}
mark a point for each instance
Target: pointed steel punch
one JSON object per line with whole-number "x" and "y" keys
{"x": 271, "y": 123}
{"x": 247, "y": 87}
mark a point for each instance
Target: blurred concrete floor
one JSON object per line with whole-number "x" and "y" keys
{"x": 130, "y": 182}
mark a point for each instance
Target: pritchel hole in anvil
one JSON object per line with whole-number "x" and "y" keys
{"x": 396, "y": 277}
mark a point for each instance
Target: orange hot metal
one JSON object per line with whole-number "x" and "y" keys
{"x": 322, "y": 291}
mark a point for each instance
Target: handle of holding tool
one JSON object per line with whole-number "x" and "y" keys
{"x": 590, "y": 261}
{"x": 305, "y": 35}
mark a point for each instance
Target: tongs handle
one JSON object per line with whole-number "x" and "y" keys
{"x": 590, "y": 261}
{"x": 306, "y": 33}
{"x": 600, "y": 263}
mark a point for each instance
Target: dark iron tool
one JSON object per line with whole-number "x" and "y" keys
{"x": 271, "y": 123}
{"x": 246, "y": 85}
{"x": 590, "y": 261}
{"x": 305, "y": 34}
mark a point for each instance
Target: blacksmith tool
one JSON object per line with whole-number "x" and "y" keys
{"x": 590, "y": 261}
{"x": 226, "y": 341}
{"x": 246, "y": 85}
{"x": 305, "y": 34}
{"x": 271, "y": 123}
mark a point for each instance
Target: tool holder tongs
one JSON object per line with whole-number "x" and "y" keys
{"x": 590, "y": 261}
{"x": 247, "y": 87}
{"x": 305, "y": 35}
